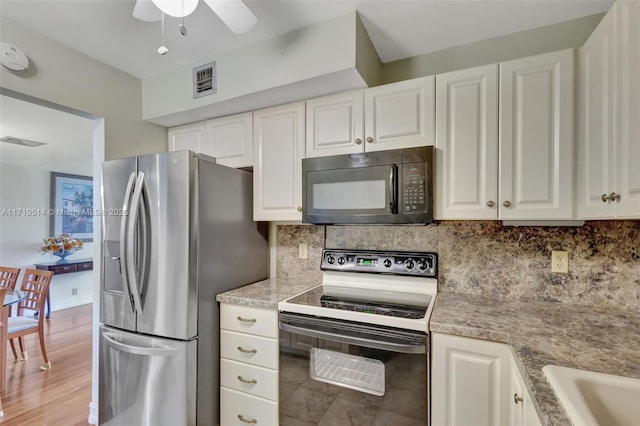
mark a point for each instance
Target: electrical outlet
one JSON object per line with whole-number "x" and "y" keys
{"x": 302, "y": 251}
{"x": 560, "y": 262}
{"x": 74, "y": 291}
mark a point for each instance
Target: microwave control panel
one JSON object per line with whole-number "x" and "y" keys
{"x": 414, "y": 188}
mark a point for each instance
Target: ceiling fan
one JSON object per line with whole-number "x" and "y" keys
{"x": 234, "y": 13}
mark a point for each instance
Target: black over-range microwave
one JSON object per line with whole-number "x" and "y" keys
{"x": 385, "y": 187}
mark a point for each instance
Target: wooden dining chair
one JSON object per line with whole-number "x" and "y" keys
{"x": 35, "y": 284}
{"x": 9, "y": 277}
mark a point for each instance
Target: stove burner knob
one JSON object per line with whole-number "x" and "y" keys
{"x": 423, "y": 264}
{"x": 387, "y": 263}
{"x": 341, "y": 260}
{"x": 331, "y": 260}
{"x": 409, "y": 263}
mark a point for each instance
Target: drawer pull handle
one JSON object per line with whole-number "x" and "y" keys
{"x": 246, "y": 319}
{"x": 251, "y": 382}
{"x": 247, "y": 351}
{"x": 242, "y": 419}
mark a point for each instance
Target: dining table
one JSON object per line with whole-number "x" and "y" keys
{"x": 11, "y": 297}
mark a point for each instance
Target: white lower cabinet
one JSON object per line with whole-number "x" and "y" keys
{"x": 473, "y": 382}
{"x": 240, "y": 409}
{"x": 248, "y": 365}
{"x": 523, "y": 411}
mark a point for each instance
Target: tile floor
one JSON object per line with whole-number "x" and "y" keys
{"x": 307, "y": 402}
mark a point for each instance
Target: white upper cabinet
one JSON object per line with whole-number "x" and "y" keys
{"x": 609, "y": 143}
{"x": 190, "y": 136}
{"x": 467, "y": 144}
{"x": 228, "y": 139}
{"x": 335, "y": 124}
{"x": 536, "y": 137}
{"x": 506, "y": 156}
{"x": 278, "y": 135}
{"x": 392, "y": 116}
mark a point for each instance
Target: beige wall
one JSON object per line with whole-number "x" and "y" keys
{"x": 64, "y": 76}
{"x": 517, "y": 45}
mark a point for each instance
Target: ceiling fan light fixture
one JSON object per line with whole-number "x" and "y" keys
{"x": 176, "y": 8}
{"x": 234, "y": 13}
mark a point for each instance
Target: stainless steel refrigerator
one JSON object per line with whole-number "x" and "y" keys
{"x": 177, "y": 230}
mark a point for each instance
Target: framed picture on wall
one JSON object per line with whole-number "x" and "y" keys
{"x": 72, "y": 206}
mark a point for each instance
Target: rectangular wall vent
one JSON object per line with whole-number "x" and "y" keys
{"x": 205, "y": 80}
{"x": 23, "y": 142}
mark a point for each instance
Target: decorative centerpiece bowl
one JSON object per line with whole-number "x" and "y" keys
{"x": 62, "y": 246}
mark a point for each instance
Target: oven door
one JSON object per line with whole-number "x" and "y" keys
{"x": 379, "y": 372}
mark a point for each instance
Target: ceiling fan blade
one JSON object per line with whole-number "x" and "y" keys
{"x": 145, "y": 10}
{"x": 234, "y": 13}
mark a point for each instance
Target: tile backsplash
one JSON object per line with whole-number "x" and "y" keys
{"x": 484, "y": 257}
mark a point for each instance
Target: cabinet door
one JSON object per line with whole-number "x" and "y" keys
{"x": 278, "y": 137}
{"x": 335, "y": 125}
{"x": 536, "y": 137}
{"x": 523, "y": 411}
{"x": 400, "y": 115}
{"x": 230, "y": 140}
{"x": 470, "y": 381}
{"x": 467, "y": 144}
{"x": 595, "y": 122}
{"x": 628, "y": 111}
{"x": 189, "y": 136}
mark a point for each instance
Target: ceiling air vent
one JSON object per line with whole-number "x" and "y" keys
{"x": 205, "y": 80}
{"x": 23, "y": 142}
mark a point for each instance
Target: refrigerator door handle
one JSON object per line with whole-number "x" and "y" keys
{"x": 131, "y": 272}
{"x": 140, "y": 350}
{"x": 123, "y": 236}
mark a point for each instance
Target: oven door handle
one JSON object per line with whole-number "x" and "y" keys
{"x": 353, "y": 340}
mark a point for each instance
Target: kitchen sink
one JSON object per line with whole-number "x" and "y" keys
{"x": 597, "y": 399}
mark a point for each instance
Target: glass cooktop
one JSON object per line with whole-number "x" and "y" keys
{"x": 395, "y": 304}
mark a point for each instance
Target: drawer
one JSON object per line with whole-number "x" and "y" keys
{"x": 238, "y": 406}
{"x": 241, "y": 347}
{"x": 245, "y": 319}
{"x": 235, "y": 375}
{"x": 85, "y": 266}
{"x": 65, "y": 269}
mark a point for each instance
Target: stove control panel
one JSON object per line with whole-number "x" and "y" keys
{"x": 422, "y": 264}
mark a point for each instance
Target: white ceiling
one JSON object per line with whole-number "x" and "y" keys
{"x": 66, "y": 135}
{"x": 107, "y": 31}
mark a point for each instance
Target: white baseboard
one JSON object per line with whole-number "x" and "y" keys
{"x": 93, "y": 413}
{"x": 70, "y": 303}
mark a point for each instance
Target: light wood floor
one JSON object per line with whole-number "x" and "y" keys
{"x": 60, "y": 396}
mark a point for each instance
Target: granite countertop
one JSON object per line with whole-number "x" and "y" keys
{"x": 266, "y": 294}
{"x": 602, "y": 339}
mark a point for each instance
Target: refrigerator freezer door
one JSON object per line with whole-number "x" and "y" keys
{"x": 169, "y": 287}
{"x": 116, "y": 308}
{"x": 146, "y": 381}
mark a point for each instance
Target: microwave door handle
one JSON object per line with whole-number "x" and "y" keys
{"x": 393, "y": 189}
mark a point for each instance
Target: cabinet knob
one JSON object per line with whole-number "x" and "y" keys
{"x": 370, "y": 139}
{"x": 614, "y": 197}
{"x": 604, "y": 198}
{"x": 517, "y": 398}
{"x": 507, "y": 204}
{"x": 299, "y": 209}
{"x": 490, "y": 204}
{"x": 242, "y": 419}
{"x": 358, "y": 141}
